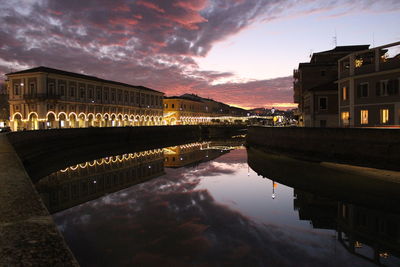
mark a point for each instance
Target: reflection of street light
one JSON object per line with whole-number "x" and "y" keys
{"x": 273, "y": 189}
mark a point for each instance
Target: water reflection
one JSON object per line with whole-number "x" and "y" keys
{"x": 217, "y": 211}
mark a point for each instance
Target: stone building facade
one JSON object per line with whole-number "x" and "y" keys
{"x": 315, "y": 88}
{"x": 369, "y": 87}
{"x": 190, "y": 109}
{"x": 44, "y": 98}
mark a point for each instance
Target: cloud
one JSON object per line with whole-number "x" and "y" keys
{"x": 150, "y": 225}
{"x": 150, "y": 42}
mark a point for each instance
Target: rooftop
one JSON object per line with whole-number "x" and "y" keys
{"x": 345, "y": 48}
{"x": 78, "y": 75}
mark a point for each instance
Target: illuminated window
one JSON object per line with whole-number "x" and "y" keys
{"x": 384, "y": 115}
{"x": 364, "y": 116}
{"x": 344, "y": 93}
{"x": 345, "y": 118}
{"x": 358, "y": 62}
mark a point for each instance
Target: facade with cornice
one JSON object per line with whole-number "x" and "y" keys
{"x": 45, "y": 98}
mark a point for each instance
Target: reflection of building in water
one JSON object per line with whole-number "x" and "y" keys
{"x": 179, "y": 156}
{"x": 368, "y": 233}
{"x": 371, "y": 234}
{"x": 320, "y": 211}
{"x": 87, "y": 181}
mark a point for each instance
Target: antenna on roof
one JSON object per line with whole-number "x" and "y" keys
{"x": 373, "y": 39}
{"x": 335, "y": 39}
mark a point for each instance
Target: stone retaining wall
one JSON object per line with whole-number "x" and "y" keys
{"x": 378, "y": 148}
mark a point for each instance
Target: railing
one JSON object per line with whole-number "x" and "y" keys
{"x": 381, "y": 58}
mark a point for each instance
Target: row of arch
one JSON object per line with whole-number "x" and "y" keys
{"x": 54, "y": 120}
{"x": 114, "y": 159}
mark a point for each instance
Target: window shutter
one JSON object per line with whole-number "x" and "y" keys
{"x": 396, "y": 86}
{"x": 378, "y": 88}
{"x": 390, "y": 87}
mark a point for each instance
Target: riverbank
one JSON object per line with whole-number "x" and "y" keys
{"x": 360, "y": 185}
{"x": 376, "y": 148}
{"x": 28, "y": 235}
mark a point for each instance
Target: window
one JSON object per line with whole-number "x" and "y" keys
{"x": 362, "y": 90}
{"x": 142, "y": 99}
{"x": 98, "y": 94}
{"x": 50, "y": 90}
{"x": 72, "y": 91}
{"x": 119, "y": 96}
{"x": 132, "y": 97}
{"x": 364, "y": 116}
{"x": 345, "y": 118}
{"x": 90, "y": 93}
{"x": 152, "y": 100}
{"x": 393, "y": 87}
{"x": 61, "y": 89}
{"x": 16, "y": 89}
{"x": 344, "y": 93}
{"x": 323, "y": 103}
{"x": 32, "y": 89}
{"x": 105, "y": 94}
{"x": 173, "y": 105}
{"x": 381, "y": 88}
{"x": 82, "y": 92}
{"x": 112, "y": 95}
{"x": 166, "y": 105}
{"x": 384, "y": 115}
{"x": 126, "y": 97}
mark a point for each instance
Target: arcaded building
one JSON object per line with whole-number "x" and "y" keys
{"x": 190, "y": 109}
{"x": 368, "y": 85}
{"x": 44, "y": 98}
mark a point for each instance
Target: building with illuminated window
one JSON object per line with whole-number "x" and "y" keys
{"x": 190, "y": 154}
{"x": 192, "y": 109}
{"x": 93, "y": 179}
{"x": 44, "y": 98}
{"x": 315, "y": 89}
{"x": 368, "y": 84}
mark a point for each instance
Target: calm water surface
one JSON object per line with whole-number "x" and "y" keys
{"x": 197, "y": 204}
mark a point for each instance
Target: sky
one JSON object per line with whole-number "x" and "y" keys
{"x": 240, "y": 52}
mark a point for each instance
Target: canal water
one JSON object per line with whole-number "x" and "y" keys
{"x": 201, "y": 204}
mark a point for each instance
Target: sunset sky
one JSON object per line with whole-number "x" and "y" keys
{"x": 241, "y": 52}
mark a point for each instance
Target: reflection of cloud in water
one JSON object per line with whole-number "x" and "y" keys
{"x": 166, "y": 222}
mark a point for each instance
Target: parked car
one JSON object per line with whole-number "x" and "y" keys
{"x": 5, "y": 129}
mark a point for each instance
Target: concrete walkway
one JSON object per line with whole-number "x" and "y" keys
{"x": 28, "y": 235}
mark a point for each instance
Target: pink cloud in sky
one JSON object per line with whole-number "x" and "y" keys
{"x": 146, "y": 42}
